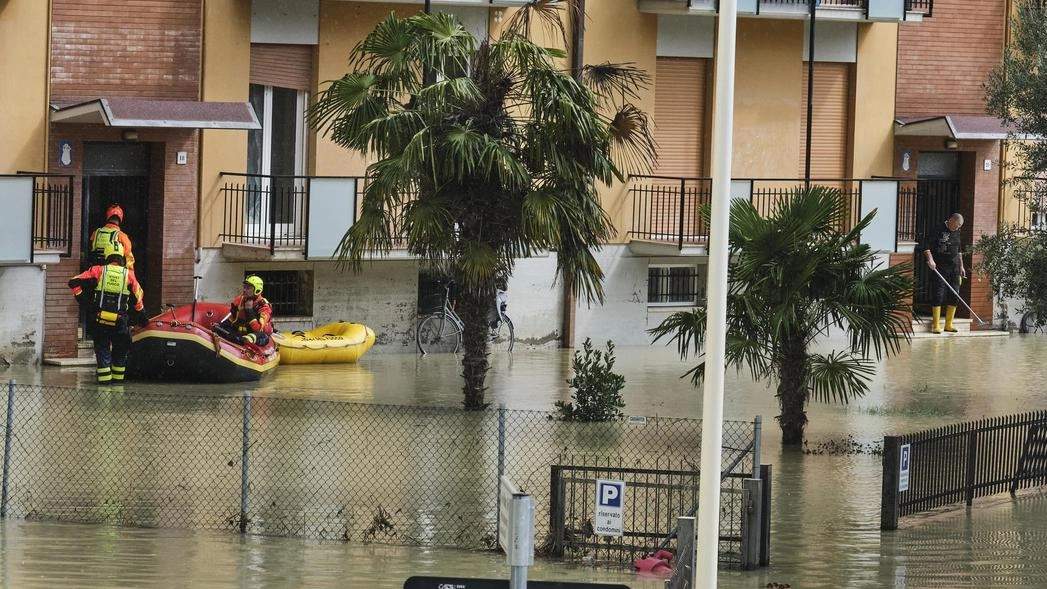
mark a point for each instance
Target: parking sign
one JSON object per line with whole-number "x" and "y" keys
{"x": 610, "y": 497}
{"x": 903, "y": 467}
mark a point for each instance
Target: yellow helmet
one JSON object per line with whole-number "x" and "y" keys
{"x": 113, "y": 247}
{"x": 256, "y": 282}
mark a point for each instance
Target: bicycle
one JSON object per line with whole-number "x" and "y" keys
{"x": 441, "y": 330}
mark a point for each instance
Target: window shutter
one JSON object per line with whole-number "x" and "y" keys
{"x": 679, "y": 115}
{"x": 283, "y": 66}
{"x": 830, "y": 131}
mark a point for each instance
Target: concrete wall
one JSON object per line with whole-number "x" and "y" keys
{"x": 22, "y": 314}
{"x": 623, "y": 316}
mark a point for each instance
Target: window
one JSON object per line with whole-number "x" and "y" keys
{"x": 277, "y": 149}
{"x": 674, "y": 285}
{"x": 290, "y": 292}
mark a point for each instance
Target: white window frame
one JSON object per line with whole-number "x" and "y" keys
{"x": 260, "y": 225}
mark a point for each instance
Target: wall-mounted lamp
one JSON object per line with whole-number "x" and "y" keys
{"x": 951, "y": 144}
{"x": 498, "y": 15}
{"x": 130, "y": 135}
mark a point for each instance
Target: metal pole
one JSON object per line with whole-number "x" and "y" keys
{"x": 810, "y": 96}
{"x": 706, "y": 547}
{"x": 757, "y": 442}
{"x": 244, "y": 447}
{"x": 7, "y": 445}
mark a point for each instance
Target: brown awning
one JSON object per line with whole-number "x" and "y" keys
{"x": 171, "y": 114}
{"x": 957, "y": 127}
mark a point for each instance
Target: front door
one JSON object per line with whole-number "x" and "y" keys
{"x": 118, "y": 173}
{"x": 937, "y": 197}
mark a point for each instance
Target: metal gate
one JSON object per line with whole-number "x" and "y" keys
{"x": 936, "y": 199}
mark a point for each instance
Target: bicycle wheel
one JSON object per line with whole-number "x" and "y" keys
{"x": 1031, "y": 323}
{"x": 502, "y": 336}
{"x": 438, "y": 333}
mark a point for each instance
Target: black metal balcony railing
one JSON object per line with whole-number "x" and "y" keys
{"x": 668, "y": 209}
{"x": 266, "y": 210}
{"x": 53, "y": 214}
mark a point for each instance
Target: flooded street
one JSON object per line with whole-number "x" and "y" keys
{"x": 825, "y": 526}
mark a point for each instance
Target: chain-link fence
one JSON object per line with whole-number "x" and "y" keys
{"x": 290, "y": 467}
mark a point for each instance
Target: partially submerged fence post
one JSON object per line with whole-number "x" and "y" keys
{"x": 244, "y": 447}
{"x": 972, "y": 466}
{"x": 892, "y": 446}
{"x": 7, "y": 445}
{"x": 752, "y": 523}
{"x": 765, "y": 531}
{"x": 683, "y": 571}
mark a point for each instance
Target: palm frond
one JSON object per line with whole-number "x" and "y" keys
{"x": 839, "y": 376}
{"x": 547, "y": 15}
{"x": 616, "y": 80}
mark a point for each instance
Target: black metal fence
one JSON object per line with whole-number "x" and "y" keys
{"x": 53, "y": 214}
{"x": 292, "y": 467}
{"x": 669, "y": 209}
{"x": 268, "y": 211}
{"x": 922, "y": 6}
{"x": 957, "y": 463}
{"x": 1031, "y": 196}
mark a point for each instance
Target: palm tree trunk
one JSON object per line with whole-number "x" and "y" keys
{"x": 792, "y": 393}
{"x": 473, "y": 307}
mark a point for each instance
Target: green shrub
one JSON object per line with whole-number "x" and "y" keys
{"x": 597, "y": 388}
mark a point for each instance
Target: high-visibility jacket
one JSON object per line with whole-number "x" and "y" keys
{"x": 114, "y": 288}
{"x": 105, "y": 234}
{"x": 252, "y": 314}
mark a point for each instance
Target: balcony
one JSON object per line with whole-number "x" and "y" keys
{"x": 667, "y": 218}
{"x": 845, "y": 10}
{"x": 38, "y": 218}
{"x": 286, "y": 217}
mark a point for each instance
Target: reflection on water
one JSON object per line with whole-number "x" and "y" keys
{"x": 826, "y": 508}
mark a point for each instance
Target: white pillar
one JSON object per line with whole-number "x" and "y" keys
{"x": 707, "y": 546}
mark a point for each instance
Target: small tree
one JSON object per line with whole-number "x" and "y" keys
{"x": 597, "y": 388}
{"x": 794, "y": 275}
{"x": 1015, "y": 261}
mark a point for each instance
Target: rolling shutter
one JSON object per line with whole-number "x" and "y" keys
{"x": 830, "y": 131}
{"x": 679, "y": 116}
{"x": 283, "y": 66}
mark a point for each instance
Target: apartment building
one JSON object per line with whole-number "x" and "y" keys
{"x": 190, "y": 115}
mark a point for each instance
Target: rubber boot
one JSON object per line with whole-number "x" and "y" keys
{"x": 950, "y": 312}
{"x": 936, "y": 313}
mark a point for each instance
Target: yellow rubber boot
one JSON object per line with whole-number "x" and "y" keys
{"x": 936, "y": 314}
{"x": 950, "y": 312}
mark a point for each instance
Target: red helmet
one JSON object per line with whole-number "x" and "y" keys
{"x": 114, "y": 211}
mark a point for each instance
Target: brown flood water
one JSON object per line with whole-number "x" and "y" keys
{"x": 825, "y": 524}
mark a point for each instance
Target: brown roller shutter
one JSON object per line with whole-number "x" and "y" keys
{"x": 284, "y": 66}
{"x": 830, "y": 132}
{"x": 679, "y": 116}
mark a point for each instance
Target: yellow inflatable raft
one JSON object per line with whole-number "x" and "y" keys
{"x": 328, "y": 344}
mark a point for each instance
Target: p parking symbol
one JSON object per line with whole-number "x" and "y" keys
{"x": 609, "y": 493}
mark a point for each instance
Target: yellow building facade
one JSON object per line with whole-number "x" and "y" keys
{"x": 222, "y": 196}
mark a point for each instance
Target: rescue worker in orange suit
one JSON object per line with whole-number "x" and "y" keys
{"x": 113, "y": 296}
{"x": 250, "y": 315}
{"x": 110, "y": 232}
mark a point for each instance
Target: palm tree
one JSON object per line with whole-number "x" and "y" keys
{"x": 795, "y": 275}
{"x": 499, "y": 156}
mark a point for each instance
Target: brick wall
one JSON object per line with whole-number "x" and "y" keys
{"x": 136, "y": 48}
{"x": 943, "y": 60}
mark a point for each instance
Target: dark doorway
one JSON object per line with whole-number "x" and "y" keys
{"x": 937, "y": 197}
{"x": 118, "y": 173}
